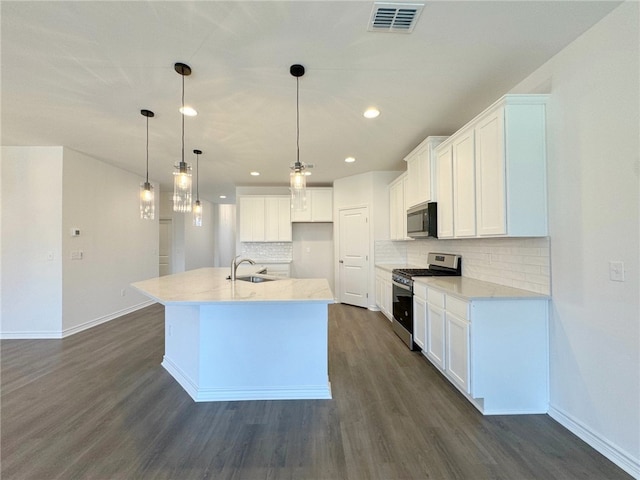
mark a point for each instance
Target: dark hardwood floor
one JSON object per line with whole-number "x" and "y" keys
{"x": 98, "y": 405}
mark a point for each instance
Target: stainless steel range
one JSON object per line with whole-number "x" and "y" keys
{"x": 440, "y": 264}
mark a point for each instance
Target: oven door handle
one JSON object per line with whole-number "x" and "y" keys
{"x": 404, "y": 287}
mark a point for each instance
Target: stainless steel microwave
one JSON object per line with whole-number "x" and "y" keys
{"x": 422, "y": 221}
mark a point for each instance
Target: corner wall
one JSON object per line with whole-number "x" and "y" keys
{"x": 31, "y": 242}
{"x": 593, "y": 171}
{"x": 117, "y": 247}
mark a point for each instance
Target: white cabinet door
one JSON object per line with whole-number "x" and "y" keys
{"x": 264, "y": 219}
{"x": 464, "y": 181}
{"x": 435, "y": 336}
{"x": 281, "y": 217}
{"x": 419, "y": 321}
{"x": 319, "y": 206}
{"x": 379, "y": 288}
{"x": 444, "y": 185}
{"x": 491, "y": 201}
{"x": 388, "y": 297}
{"x": 322, "y": 205}
{"x": 251, "y": 211}
{"x": 416, "y": 177}
{"x": 457, "y": 348}
{"x": 397, "y": 210}
{"x": 302, "y": 215}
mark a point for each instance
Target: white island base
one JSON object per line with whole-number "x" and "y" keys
{"x": 248, "y": 351}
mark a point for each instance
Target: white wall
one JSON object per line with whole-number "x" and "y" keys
{"x": 313, "y": 251}
{"x": 200, "y": 242}
{"x": 46, "y": 294}
{"x": 225, "y": 222}
{"x": 192, "y": 247}
{"x": 593, "y": 170}
{"x": 118, "y": 247}
{"x": 31, "y": 242}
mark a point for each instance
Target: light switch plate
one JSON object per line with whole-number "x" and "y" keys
{"x": 616, "y": 271}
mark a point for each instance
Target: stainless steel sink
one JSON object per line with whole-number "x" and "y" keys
{"x": 255, "y": 279}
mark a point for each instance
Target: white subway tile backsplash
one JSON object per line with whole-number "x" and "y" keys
{"x": 267, "y": 251}
{"x": 515, "y": 262}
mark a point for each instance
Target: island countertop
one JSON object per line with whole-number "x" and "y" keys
{"x": 210, "y": 285}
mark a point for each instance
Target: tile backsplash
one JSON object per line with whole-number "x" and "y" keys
{"x": 274, "y": 252}
{"x": 514, "y": 262}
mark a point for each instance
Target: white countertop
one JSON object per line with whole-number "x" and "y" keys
{"x": 210, "y": 285}
{"x": 471, "y": 289}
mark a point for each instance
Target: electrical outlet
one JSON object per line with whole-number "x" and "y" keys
{"x": 123, "y": 292}
{"x": 616, "y": 271}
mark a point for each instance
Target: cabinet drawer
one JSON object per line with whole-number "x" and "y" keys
{"x": 420, "y": 291}
{"x": 435, "y": 298}
{"x": 458, "y": 307}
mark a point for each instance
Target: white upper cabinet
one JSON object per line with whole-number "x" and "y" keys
{"x": 444, "y": 185}
{"x": 251, "y": 213}
{"x": 499, "y": 172}
{"x": 420, "y": 172}
{"x": 464, "y": 191}
{"x": 319, "y": 206}
{"x": 490, "y": 175}
{"x": 398, "y": 208}
{"x": 277, "y": 214}
{"x": 264, "y": 218}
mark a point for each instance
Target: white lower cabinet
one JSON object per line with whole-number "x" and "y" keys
{"x": 384, "y": 292}
{"x": 420, "y": 315}
{"x": 493, "y": 350}
{"x": 276, "y": 269}
{"x": 457, "y": 348}
{"x": 435, "y": 328}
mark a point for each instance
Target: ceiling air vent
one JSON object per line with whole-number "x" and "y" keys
{"x": 394, "y": 17}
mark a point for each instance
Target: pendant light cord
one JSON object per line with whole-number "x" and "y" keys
{"x": 197, "y": 177}
{"x": 298, "y": 121}
{"x": 182, "y": 118}
{"x": 147, "y": 150}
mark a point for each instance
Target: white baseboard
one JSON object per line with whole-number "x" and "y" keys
{"x": 614, "y": 453}
{"x": 293, "y": 392}
{"x": 97, "y": 321}
{"x": 35, "y": 335}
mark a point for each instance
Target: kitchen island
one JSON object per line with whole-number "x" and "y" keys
{"x": 239, "y": 340}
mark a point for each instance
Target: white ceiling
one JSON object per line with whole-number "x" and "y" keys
{"x": 78, "y": 73}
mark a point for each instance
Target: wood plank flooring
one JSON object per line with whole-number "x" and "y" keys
{"x": 98, "y": 405}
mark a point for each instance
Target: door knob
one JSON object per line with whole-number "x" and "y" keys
{"x": 341, "y": 261}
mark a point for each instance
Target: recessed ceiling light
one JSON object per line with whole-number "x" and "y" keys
{"x": 188, "y": 111}
{"x": 255, "y": 174}
{"x": 223, "y": 196}
{"x": 349, "y": 159}
{"x": 371, "y": 113}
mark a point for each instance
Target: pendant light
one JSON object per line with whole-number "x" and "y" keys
{"x": 182, "y": 175}
{"x": 197, "y": 207}
{"x": 297, "y": 177}
{"x": 147, "y": 203}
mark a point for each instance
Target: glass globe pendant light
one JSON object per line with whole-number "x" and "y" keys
{"x": 297, "y": 177}
{"x": 197, "y": 207}
{"x": 147, "y": 203}
{"x": 182, "y": 175}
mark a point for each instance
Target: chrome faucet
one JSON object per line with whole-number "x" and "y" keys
{"x": 236, "y": 263}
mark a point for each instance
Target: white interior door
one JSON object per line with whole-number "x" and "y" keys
{"x": 354, "y": 256}
{"x": 165, "y": 242}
